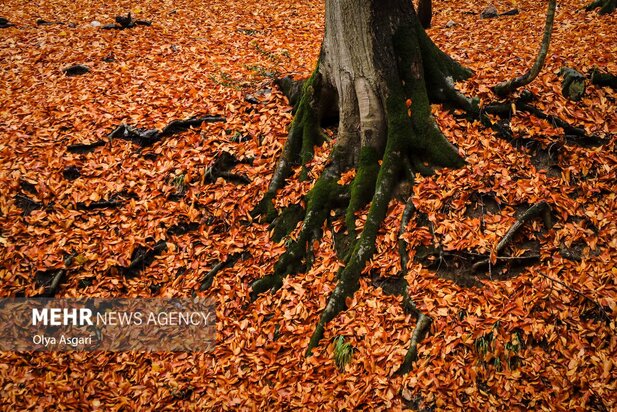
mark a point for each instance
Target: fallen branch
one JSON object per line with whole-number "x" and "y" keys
{"x": 51, "y": 279}
{"x": 605, "y": 315}
{"x": 539, "y": 209}
{"x": 505, "y": 88}
{"x": 230, "y": 261}
{"x": 84, "y": 147}
{"x": 142, "y": 257}
{"x": 147, "y": 137}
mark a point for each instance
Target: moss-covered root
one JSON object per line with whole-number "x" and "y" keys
{"x": 440, "y": 70}
{"x": 605, "y": 6}
{"x": 408, "y": 304}
{"x": 435, "y": 60}
{"x": 319, "y": 201}
{"x": 423, "y": 323}
{"x": 363, "y": 186}
{"x": 428, "y": 144}
{"x": 364, "y": 247}
{"x": 422, "y": 326}
{"x": 304, "y": 134}
{"x": 508, "y": 87}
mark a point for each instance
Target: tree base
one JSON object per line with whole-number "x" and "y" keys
{"x": 389, "y": 97}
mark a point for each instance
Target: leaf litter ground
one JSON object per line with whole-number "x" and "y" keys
{"x": 515, "y": 340}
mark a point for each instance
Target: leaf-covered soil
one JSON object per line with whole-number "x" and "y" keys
{"x": 505, "y": 339}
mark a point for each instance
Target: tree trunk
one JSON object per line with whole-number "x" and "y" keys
{"x": 379, "y": 70}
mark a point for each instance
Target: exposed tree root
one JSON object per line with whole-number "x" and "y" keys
{"x": 222, "y": 166}
{"x": 524, "y": 260}
{"x": 84, "y": 147}
{"x": 425, "y": 13}
{"x": 304, "y": 134}
{"x": 603, "y": 79}
{"x": 573, "y": 135}
{"x": 422, "y": 326}
{"x": 364, "y": 247}
{"x": 424, "y": 322}
{"x": 182, "y": 227}
{"x": 147, "y": 137}
{"x": 320, "y": 200}
{"x": 539, "y": 209}
{"x": 51, "y": 279}
{"x": 101, "y": 204}
{"x": 4, "y": 23}
{"x": 126, "y": 22}
{"x": 71, "y": 173}
{"x": 384, "y": 116}
{"x": 142, "y": 257}
{"x": 605, "y": 6}
{"x": 603, "y": 314}
{"x": 291, "y": 88}
{"x": 224, "y": 264}
{"x": 76, "y": 70}
{"x": 573, "y": 84}
{"x": 506, "y": 88}
{"x": 26, "y": 204}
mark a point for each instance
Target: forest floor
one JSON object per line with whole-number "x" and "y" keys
{"x": 508, "y": 339}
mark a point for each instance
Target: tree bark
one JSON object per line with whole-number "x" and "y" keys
{"x": 425, "y": 12}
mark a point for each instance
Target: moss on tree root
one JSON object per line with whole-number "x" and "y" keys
{"x": 286, "y": 221}
{"x": 363, "y": 186}
{"x": 319, "y": 202}
{"x": 428, "y": 143}
{"x": 304, "y": 134}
